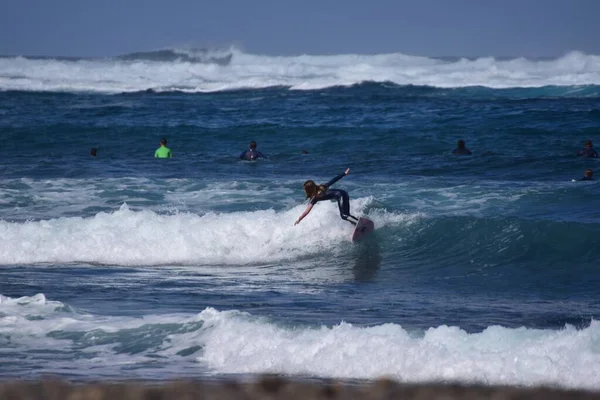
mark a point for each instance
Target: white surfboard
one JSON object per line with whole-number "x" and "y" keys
{"x": 363, "y": 227}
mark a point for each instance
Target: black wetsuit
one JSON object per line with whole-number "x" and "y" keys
{"x": 340, "y": 195}
{"x": 461, "y": 151}
{"x": 251, "y": 154}
{"x": 587, "y": 152}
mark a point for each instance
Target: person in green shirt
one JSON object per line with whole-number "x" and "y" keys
{"x": 163, "y": 151}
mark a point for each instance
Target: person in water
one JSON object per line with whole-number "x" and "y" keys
{"x": 461, "y": 149}
{"x": 588, "y": 150}
{"x": 318, "y": 193}
{"x": 93, "y": 151}
{"x": 251, "y": 154}
{"x": 163, "y": 151}
{"x": 587, "y": 176}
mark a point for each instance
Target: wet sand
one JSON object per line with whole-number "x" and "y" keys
{"x": 271, "y": 388}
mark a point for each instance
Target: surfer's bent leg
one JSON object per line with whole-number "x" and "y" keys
{"x": 344, "y": 205}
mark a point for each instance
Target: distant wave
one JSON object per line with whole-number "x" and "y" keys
{"x": 190, "y": 56}
{"x": 202, "y": 70}
{"x": 204, "y": 56}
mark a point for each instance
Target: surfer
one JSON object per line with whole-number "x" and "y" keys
{"x": 588, "y": 150}
{"x": 587, "y": 176}
{"x": 461, "y": 149}
{"x": 251, "y": 154}
{"x": 163, "y": 151}
{"x": 318, "y": 193}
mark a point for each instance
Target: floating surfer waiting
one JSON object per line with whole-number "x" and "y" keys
{"x": 588, "y": 175}
{"x": 163, "y": 151}
{"x": 251, "y": 154}
{"x": 461, "y": 149}
{"x": 318, "y": 193}
{"x": 588, "y": 150}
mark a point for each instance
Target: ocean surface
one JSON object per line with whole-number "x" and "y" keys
{"x": 482, "y": 268}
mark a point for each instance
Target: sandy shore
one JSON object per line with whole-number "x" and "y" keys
{"x": 271, "y": 388}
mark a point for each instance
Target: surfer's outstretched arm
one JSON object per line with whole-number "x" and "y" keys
{"x": 304, "y": 214}
{"x": 337, "y": 178}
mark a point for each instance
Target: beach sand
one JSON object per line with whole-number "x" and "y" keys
{"x": 271, "y": 388}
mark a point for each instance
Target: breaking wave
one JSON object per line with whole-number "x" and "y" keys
{"x": 201, "y": 70}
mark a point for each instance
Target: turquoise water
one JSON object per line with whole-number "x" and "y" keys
{"x": 482, "y": 268}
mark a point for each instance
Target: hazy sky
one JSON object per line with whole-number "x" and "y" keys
{"x": 533, "y": 28}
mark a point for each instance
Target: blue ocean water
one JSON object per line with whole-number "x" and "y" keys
{"x": 482, "y": 268}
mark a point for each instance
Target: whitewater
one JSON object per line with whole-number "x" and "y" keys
{"x": 118, "y": 265}
{"x": 195, "y": 71}
{"x": 235, "y": 343}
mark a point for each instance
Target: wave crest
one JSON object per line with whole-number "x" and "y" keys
{"x": 200, "y": 56}
{"x": 203, "y": 70}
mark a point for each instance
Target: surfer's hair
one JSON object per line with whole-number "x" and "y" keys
{"x": 312, "y": 189}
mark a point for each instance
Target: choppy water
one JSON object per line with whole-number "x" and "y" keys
{"x": 482, "y": 268}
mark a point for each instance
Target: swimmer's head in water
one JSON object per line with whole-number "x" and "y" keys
{"x": 588, "y": 173}
{"x": 461, "y": 144}
{"x": 252, "y": 145}
{"x": 163, "y": 141}
{"x": 588, "y": 143}
{"x": 93, "y": 151}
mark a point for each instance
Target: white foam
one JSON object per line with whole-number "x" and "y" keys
{"x": 72, "y": 342}
{"x": 127, "y": 237}
{"x": 236, "y": 342}
{"x": 298, "y": 72}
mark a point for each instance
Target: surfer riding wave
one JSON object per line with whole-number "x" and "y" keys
{"x": 318, "y": 193}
